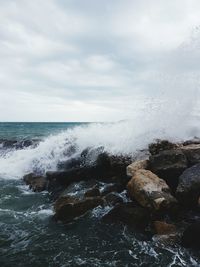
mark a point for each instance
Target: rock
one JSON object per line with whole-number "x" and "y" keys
{"x": 163, "y": 228}
{"x": 112, "y": 188}
{"x": 190, "y": 238}
{"x": 169, "y": 165}
{"x": 133, "y": 167}
{"x": 105, "y": 168}
{"x": 192, "y": 153}
{"x": 188, "y": 190}
{"x": 113, "y": 199}
{"x": 161, "y": 145}
{"x": 94, "y": 192}
{"x": 150, "y": 191}
{"x": 129, "y": 214}
{"x": 35, "y": 182}
{"x": 195, "y": 140}
{"x": 69, "y": 208}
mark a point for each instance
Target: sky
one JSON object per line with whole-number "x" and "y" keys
{"x": 95, "y": 60}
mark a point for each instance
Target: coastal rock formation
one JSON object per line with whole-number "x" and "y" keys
{"x": 169, "y": 165}
{"x": 113, "y": 199}
{"x": 150, "y": 191}
{"x": 135, "y": 166}
{"x": 161, "y": 145}
{"x": 35, "y": 182}
{"x": 188, "y": 190}
{"x": 130, "y": 214}
{"x": 68, "y": 208}
{"x": 93, "y": 192}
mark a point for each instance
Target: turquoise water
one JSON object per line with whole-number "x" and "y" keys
{"x": 30, "y": 130}
{"x": 30, "y": 238}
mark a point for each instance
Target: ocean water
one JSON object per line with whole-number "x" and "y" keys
{"x": 28, "y": 235}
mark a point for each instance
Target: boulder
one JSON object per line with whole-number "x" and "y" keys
{"x": 68, "y": 208}
{"x": 191, "y": 236}
{"x": 161, "y": 145}
{"x": 192, "y": 153}
{"x": 169, "y": 165}
{"x": 188, "y": 190}
{"x": 113, "y": 199}
{"x": 163, "y": 228}
{"x": 94, "y": 192}
{"x": 137, "y": 165}
{"x": 150, "y": 191}
{"x": 130, "y": 214}
{"x": 35, "y": 182}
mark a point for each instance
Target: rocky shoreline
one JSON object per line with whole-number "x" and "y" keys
{"x": 158, "y": 194}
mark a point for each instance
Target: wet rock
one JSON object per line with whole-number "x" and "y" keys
{"x": 161, "y": 145}
{"x": 190, "y": 238}
{"x": 112, "y": 188}
{"x": 192, "y": 153}
{"x": 195, "y": 140}
{"x": 169, "y": 165}
{"x": 36, "y": 183}
{"x": 188, "y": 190}
{"x": 113, "y": 199}
{"x": 163, "y": 228}
{"x": 130, "y": 214}
{"x": 137, "y": 165}
{"x": 94, "y": 192}
{"x": 150, "y": 191}
{"x": 69, "y": 208}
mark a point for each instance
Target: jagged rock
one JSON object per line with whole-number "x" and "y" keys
{"x": 169, "y": 165}
{"x": 192, "y": 153}
{"x": 35, "y": 182}
{"x": 161, "y": 145}
{"x": 106, "y": 168}
{"x": 94, "y": 192}
{"x": 195, "y": 140}
{"x": 68, "y": 208}
{"x": 137, "y": 165}
{"x": 190, "y": 238}
{"x": 163, "y": 228}
{"x": 113, "y": 199}
{"x": 130, "y": 214}
{"x": 150, "y": 191}
{"x": 188, "y": 190}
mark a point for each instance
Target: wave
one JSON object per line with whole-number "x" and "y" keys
{"x": 124, "y": 137}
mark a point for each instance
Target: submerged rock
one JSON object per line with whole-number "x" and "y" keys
{"x": 188, "y": 190}
{"x": 169, "y": 165}
{"x": 150, "y": 191}
{"x": 35, "y": 182}
{"x": 69, "y": 208}
{"x": 191, "y": 236}
{"x": 113, "y": 199}
{"x": 129, "y": 214}
{"x": 135, "y": 166}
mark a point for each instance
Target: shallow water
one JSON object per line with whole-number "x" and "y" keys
{"x": 30, "y": 237}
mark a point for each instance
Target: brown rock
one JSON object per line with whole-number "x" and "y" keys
{"x": 192, "y": 153}
{"x": 94, "y": 192}
{"x": 163, "y": 228}
{"x": 68, "y": 208}
{"x": 150, "y": 191}
{"x": 35, "y": 182}
{"x": 135, "y": 166}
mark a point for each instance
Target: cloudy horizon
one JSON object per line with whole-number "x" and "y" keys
{"x": 94, "y": 60}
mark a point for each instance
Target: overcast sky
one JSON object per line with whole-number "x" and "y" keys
{"x": 94, "y": 60}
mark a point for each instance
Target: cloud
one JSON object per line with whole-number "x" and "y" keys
{"x": 94, "y": 60}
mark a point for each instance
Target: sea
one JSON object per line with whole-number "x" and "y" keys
{"x": 29, "y": 237}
